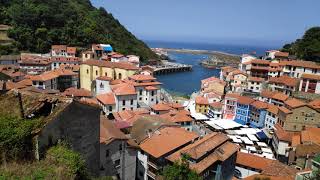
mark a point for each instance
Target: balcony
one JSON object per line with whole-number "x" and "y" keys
{"x": 151, "y": 174}
{"x": 153, "y": 165}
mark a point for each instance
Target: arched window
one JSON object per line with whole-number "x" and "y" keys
{"x": 120, "y": 76}
{"x": 87, "y": 71}
{"x": 96, "y": 72}
{"x": 101, "y": 85}
{"x": 106, "y": 74}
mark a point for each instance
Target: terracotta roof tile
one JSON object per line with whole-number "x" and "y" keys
{"x": 285, "y": 110}
{"x": 260, "y": 105}
{"x": 123, "y": 89}
{"x": 245, "y": 100}
{"x": 294, "y": 103}
{"x": 260, "y": 61}
{"x": 232, "y": 95}
{"x": 174, "y": 137}
{"x": 282, "y": 134}
{"x": 280, "y": 96}
{"x": 255, "y": 79}
{"x": 107, "y": 98}
{"x": 267, "y": 94}
{"x": 315, "y": 104}
{"x": 177, "y": 116}
{"x": 217, "y": 105}
{"x": 77, "y": 92}
{"x": 310, "y": 76}
{"x": 120, "y": 65}
{"x": 273, "y": 109}
{"x": 108, "y": 131}
{"x": 281, "y": 54}
{"x": 161, "y": 107}
{"x": 141, "y": 77}
{"x": 151, "y": 88}
{"x": 285, "y": 80}
{"x": 252, "y": 161}
{"x": 310, "y": 134}
{"x": 202, "y": 100}
{"x": 104, "y": 78}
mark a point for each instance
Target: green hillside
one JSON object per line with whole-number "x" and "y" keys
{"x": 39, "y": 23}
{"x": 308, "y": 47}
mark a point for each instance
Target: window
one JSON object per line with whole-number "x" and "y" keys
{"x": 123, "y": 102}
{"x": 117, "y": 163}
{"x": 40, "y": 83}
{"x": 96, "y": 72}
{"x": 120, "y": 147}
{"x": 101, "y": 85}
{"x": 152, "y": 93}
{"x": 110, "y": 108}
{"x": 140, "y": 98}
{"x": 119, "y": 76}
{"x": 107, "y": 153}
{"x": 123, "y": 109}
{"x": 152, "y": 100}
{"x": 106, "y": 74}
{"x": 87, "y": 71}
{"x": 140, "y": 92}
{"x": 131, "y": 102}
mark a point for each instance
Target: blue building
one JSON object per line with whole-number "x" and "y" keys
{"x": 258, "y": 111}
{"x": 243, "y": 110}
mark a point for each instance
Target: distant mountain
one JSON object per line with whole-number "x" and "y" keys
{"x": 37, "y": 24}
{"x": 308, "y": 47}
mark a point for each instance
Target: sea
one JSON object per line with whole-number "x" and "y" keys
{"x": 185, "y": 83}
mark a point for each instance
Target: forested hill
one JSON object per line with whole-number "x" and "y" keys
{"x": 37, "y": 24}
{"x": 308, "y": 47}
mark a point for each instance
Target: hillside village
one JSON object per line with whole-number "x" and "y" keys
{"x": 258, "y": 120}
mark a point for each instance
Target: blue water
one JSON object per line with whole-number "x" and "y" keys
{"x": 185, "y": 83}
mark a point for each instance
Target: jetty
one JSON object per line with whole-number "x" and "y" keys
{"x": 170, "y": 67}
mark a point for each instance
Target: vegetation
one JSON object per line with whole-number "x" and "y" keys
{"x": 60, "y": 163}
{"x": 37, "y": 24}
{"x": 16, "y": 137}
{"x": 308, "y": 47}
{"x": 180, "y": 171}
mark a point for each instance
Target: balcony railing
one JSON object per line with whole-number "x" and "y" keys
{"x": 151, "y": 174}
{"x": 153, "y": 165}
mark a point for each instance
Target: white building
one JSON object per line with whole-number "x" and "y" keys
{"x": 215, "y": 110}
{"x": 310, "y": 83}
{"x": 255, "y": 84}
{"x": 245, "y": 59}
{"x": 147, "y": 88}
{"x": 271, "y": 116}
{"x": 58, "y": 61}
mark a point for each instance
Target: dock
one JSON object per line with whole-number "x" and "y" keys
{"x": 170, "y": 67}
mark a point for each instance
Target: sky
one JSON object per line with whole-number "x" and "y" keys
{"x": 270, "y": 22}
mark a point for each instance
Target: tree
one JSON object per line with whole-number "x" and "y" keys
{"x": 180, "y": 171}
{"x": 308, "y": 47}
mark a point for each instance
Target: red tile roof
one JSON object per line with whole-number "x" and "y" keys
{"x": 281, "y": 54}
{"x": 202, "y": 100}
{"x": 294, "y": 103}
{"x": 104, "y": 78}
{"x": 108, "y": 131}
{"x": 245, "y": 100}
{"x": 280, "y": 96}
{"x": 166, "y": 140}
{"x": 310, "y": 76}
{"x": 285, "y": 110}
{"x": 267, "y": 94}
{"x": 77, "y": 92}
{"x": 71, "y": 50}
{"x": 123, "y": 89}
{"x": 282, "y": 134}
{"x": 120, "y": 65}
{"x": 315, "y": 104}
{"x": 141, "y": 77}
{"x": 260, "y": 61}
{"x": 161, "y": 107}
{"x": 217, "y": 105}
{"x": 177, "y": 116}
{"x": 252, "y": 161}
{"x": 107, "y": 99}
{"x": 255, "y": 79}
{"x": 273, "y": 109}
{"x": 151, "y": 88}
{"x": 260, "y": 105}
{"x": 285, "y": 80}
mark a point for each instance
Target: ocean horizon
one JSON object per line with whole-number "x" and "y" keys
{"x": 223, "y": 47}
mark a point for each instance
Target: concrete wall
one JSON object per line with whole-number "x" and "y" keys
{"x": 78, "y": 124}
{"x": 301, "y": 117}
{"x": 126, "y": 169}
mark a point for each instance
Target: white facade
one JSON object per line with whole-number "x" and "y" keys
{"x": 254, "y": 86}
{"x": 49, "y": 84}
{"x": 142, "y": 166}
{"x": 271, "y": 120}
{"x": 148, "y": 97}
{"x": 102, "y": 87}
{"x": 126, "y": 102}
{"x": 280, "y": 147}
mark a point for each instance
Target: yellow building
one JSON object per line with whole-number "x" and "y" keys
{"x": 91, "y": 69}
{"x": 202, "y": 105}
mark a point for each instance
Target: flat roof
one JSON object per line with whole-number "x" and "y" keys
{"x": 223, "y": 124}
